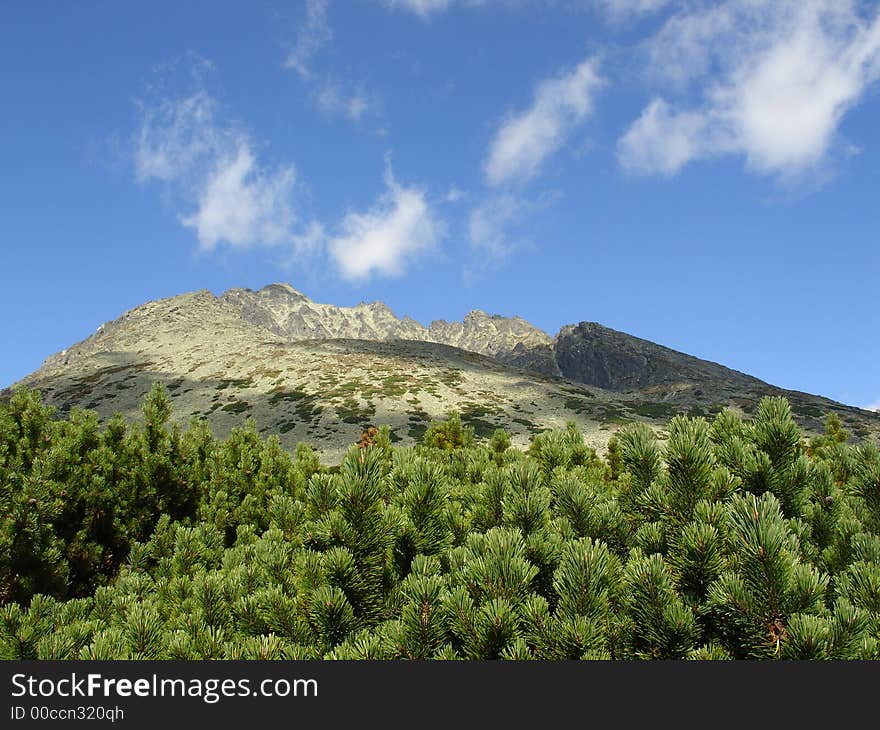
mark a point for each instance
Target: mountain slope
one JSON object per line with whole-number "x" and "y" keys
{"x": 325, "y": 391}
{"x": 594, "y": 355}
{"x": 319, "y": 373}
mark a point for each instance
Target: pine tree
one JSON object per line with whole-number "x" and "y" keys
{"x": 767, "y": 583}
{"x": 658, "y": 624}
{"x": 449, "y": 435}
{"x": 732, "y": 540}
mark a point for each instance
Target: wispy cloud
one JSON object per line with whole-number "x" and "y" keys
{"x": 615, "y": 10}
{"x": 525, "y": 140}
{"x": 619, "y": 10}
{"x": 454, "y": 194}
{"x": 210, "y": 166}
{"x": 422, "y": 8}
{"x": 488, "y": 226}
{"x": 314, "y": 33}
{"x": 174, "y": 137}
{"x": 211, "y": 169}
{"x": 875, "y": 406}
{"x": 491, "y": 222}
{"x": 773, "y": 79}
{"x": 399, "y": 228}
{"x": 332, "y": 98}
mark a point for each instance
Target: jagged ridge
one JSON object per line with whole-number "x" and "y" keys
{"x": 287, "y": 312}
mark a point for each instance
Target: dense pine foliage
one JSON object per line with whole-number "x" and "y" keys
{"x": 726, "y": 539}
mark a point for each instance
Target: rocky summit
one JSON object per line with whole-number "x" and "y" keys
{"x": 286, "y": 312}
{"x": 320, "y": 373}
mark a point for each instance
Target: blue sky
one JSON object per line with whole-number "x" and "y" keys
{"x": 700, "y": 174}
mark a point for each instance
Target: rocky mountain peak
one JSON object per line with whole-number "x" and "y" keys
{"x": 285, "y": 290}
{"x": 377, "y": 307}
{"x": 591, "y": 353}
{"x": 285, "y": 311}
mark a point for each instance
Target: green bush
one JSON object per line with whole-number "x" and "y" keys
{"x": 731, "y": 539}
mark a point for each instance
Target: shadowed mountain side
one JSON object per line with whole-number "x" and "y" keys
{"x": 657, "y": 379}
{"x": 595, "y": 355}
{"x": 326, "y": 392}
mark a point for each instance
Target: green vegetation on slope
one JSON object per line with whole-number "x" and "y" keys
{"x": 732, "y": 539}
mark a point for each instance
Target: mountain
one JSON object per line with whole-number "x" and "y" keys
{"x": 591, "y": 353}
{"x": 321, "y": 373}
{"x": 283, "y": 310}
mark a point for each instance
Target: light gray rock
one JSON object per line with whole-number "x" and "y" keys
{"x": 284, "y": 311}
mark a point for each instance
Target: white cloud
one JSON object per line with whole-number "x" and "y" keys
{"x": 686, "y": 46}
{"x": 662, "y": 141}
{"x": 244, "y": 206}
{"x": 314, "y": 33}
{"x": 526, "y": 140}
{"x": 775, "y": 79}
{"x": 211, "y": 167}
{"x": 875, "y": 406}
{"x": 396, "y": 230}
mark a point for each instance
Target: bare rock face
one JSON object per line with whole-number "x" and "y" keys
{"x": 286, "y": 312}
{"x": 595, "y": 355}
{"x": 510, "y": 340}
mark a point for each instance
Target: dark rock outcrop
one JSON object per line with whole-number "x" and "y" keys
{"x": 595, "y": 355}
